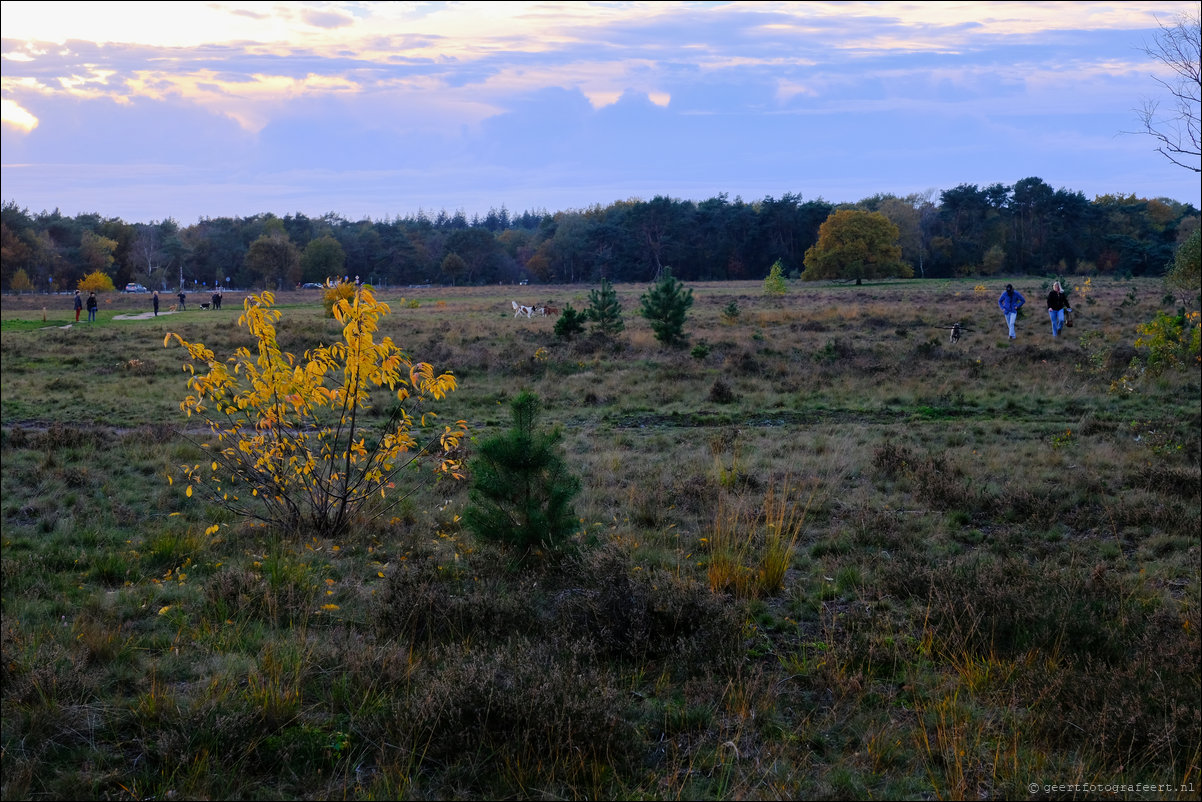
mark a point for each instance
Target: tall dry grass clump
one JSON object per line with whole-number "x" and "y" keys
{"x": 752, "y": 545}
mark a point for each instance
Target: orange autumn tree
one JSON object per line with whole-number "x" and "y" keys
{"x": 293, "y": 445}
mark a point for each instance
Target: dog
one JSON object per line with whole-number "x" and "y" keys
{"x": 548, "y": 311}
{"x": 955, "y": 332}
{"x": 173, "y": 308}
{"x": 519, "y": 310}
{"x": 206, "y": 306}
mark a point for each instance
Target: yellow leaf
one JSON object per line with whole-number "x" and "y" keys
{"x": 164, "y": 609}
{"x": 188, "y": 492}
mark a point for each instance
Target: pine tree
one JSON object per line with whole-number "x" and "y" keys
{"x": 522, "y": 489}
{"x": 605, "y": 310}
{"x": 665, "y": 306}
{"x": 570, "y": 323}
{"x": 730, "y": 314}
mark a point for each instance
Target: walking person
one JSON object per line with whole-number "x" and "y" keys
{"x": 155, "y": 299}
{"x": 78, "y": 305}
{"x": 91, "y": 307}
{"x": 182, "y": 298}
{"x": 1010, "y": 302}
{"x": 1057, "y": 305}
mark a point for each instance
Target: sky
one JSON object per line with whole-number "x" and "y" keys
{"x": 186, "y": 110}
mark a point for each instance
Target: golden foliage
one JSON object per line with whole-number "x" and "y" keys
{"x": 96, "y": 281}
{"x": 292, "y": 444}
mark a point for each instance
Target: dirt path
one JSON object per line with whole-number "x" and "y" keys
{"x": 142, "y": 315}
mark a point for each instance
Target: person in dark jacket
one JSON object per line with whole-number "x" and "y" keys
{"x": 78, "y": 305}
{"x": 91, "y": 307}
{"x": 1057, "y": 306}
{"x": 155, "y": 299}
{"x": 1010, "y": 302}
{"x": 182, "y": 298}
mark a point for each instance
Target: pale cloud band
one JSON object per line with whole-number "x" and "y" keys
{"x": 410, "y": 76}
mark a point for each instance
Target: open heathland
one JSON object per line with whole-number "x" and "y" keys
{"x": 823, "y": 551}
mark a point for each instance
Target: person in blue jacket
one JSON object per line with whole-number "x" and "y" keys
{"x": 1010, "y": 302}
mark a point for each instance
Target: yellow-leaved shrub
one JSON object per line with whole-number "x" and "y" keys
{"x": 293, "y": 445}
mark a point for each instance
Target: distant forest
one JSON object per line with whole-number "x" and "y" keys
{"x": 1027, "y": 228}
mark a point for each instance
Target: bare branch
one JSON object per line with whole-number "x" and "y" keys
{"x": 1176, "y": 126}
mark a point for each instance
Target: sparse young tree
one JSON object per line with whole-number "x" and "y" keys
{"x": 570, "y": 323}
{"x": 605, "y": 310}
{"x": 296, "y": 445}
{"x": 774, "y": 283}
{"x": 1176, "y": 129}
{"x": 522, "y": 489}
{"x": 1184, "y": 278}
{"x": 20, "y": 281}
{"x": 665, "y": 306}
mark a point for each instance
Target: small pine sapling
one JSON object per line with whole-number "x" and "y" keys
{"x": 522, "y": 489}
{"x": 730, "y": 313}
{"x": 665, "y": 306}
{"x": 570, "y": 323}
{"x": 605, "y": 310}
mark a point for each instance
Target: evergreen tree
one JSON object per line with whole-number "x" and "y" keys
{"x": 522, "y": 490}
{"x": 570, "y": 323}
{"x": 730, "y": 314}
{"x": 665, "y": 306}
{"x": 605, "y": 310}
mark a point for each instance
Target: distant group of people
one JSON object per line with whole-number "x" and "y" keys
{"x": 91, "y": 304}
{"x": 1058, "y": 307}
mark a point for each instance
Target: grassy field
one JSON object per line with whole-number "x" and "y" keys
{"x": 823, "y": 553}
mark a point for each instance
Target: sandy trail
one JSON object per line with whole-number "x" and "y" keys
{"x": 142, "y": 315}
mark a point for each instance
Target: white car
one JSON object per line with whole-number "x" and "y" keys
{"x": 132, "y": 287}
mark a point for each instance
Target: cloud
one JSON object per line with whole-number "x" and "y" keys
{"x": 327, "y": 19}
{"x": 393, "y": 105}
{"x": 12, "y": 114}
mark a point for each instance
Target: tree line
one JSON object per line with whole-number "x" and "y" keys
{"x": 1027, "y": 228}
